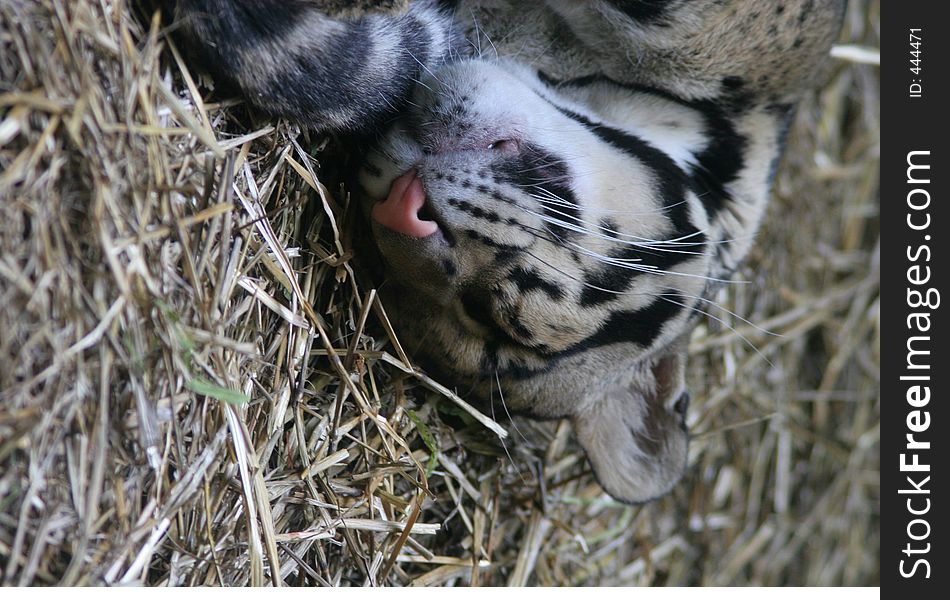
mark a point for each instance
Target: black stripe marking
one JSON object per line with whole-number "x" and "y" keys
{"x": 528, "y": 280}
{"x": 669, "y": 176}
{"x": 646, "y": 12}
{"x": 449, "y": 267}
{"x": 475, "y": 211}
{"x": 722, "y": 159}
{"x": 605, "y": 282}
{"x": 484, "y": 239}
{"x": 513, "y": 320}
{"x": 610, "y": 227}
{"x": 245, "y": 24}
{"x": 719, "y": 163}
{"x": 230, "y": 38}
{"x": 476, "y": 305}
{"x": 641, "y": 326}
{"x": 595, "y": 78}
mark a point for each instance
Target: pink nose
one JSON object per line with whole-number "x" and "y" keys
{"x": 400, "y": 210}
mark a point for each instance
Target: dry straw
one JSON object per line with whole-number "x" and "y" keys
{"x": 196, "y": 387}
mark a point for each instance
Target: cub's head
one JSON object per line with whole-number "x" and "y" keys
{"x": 536, "y": 254}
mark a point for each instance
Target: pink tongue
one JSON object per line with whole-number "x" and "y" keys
{"x": 400, "y": 210}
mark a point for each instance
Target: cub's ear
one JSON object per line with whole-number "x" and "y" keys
{"x": 635, "y": 435}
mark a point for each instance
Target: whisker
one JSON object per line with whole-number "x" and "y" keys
{"x": 504, "y": 405}
{"x": 647, "y": 241}
{"x": 651, "y": 269}
{"x": 504, "y": 445}
{"x": 423, "y": 65}
{"x": 418, "y": 81}
{"x": 648, "y": 245}
{"x": 732, "y": 314}
{"x": 722, "y": 322}
{"x": 558, "y": 201}
{"x": 477, "y": 37}
{"x": 555, "y": 199}
{"x": 651, "y": 247}
{"x": 534, "y": 232}
{"x": 598, "y": 226}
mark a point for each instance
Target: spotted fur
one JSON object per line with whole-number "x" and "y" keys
{"x": 596, "y": 170}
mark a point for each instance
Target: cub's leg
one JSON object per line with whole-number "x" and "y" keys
{"x": 345, "y": 72}
{"x": 708, "y": 49}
